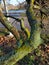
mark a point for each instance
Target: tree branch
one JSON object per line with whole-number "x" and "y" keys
{"x": 34, "y": 41}
{"x": 9, "y": 26}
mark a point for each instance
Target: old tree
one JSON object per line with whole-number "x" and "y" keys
{"x": 33, "y": 39}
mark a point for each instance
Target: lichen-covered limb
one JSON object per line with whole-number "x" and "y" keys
{"x": 11, "y": 28}
{"x": 34, "y": 40}
{"x": 20, "y": 53}
{"x": 24, "y": 50}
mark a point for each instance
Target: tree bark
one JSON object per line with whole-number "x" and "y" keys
{"x": 29, "y": 45}
{"x": 9, "y": 26}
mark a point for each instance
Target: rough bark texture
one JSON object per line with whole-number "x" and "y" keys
{"x": 30, "y": 44}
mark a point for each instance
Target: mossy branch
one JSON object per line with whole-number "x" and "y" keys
{"x": 29, "y": 45}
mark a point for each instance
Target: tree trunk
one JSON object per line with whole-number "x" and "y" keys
{"x": 32, "y": 43}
